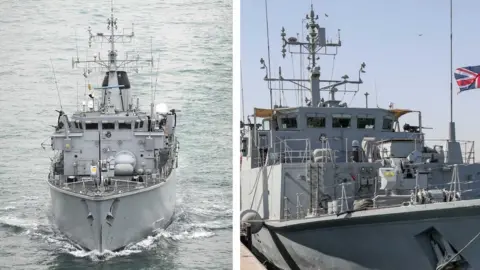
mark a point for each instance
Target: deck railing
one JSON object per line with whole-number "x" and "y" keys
{"x": 467, "y": 148}
{"x": 85, "y": 185}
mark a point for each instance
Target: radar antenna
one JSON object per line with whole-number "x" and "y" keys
{"x": 315, "y": 46}
{"x": 115, "y": 87}
{"x": 113, "y": 63}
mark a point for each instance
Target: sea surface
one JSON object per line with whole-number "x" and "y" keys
{"x": 192, "y": 40}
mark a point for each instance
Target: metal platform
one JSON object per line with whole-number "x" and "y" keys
{"x": 87, "y": 186}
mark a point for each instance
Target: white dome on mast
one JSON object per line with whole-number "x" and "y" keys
{"x": 161, "y": 108}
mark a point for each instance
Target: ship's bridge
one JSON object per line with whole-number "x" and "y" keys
{"x": 304, "y": 128}
{"x": 146, "y": 140}
{"x": 331, "y": 118}
{"x": 95, "y": 121}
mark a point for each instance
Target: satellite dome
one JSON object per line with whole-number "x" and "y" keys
{"x": 90, "y": 104}
{"x": 161, "y": 108}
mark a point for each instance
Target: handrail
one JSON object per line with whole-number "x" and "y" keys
{"x": 282, "y": 148}
{"x": 85, "y": 185}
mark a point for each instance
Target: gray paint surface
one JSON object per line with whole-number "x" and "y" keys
{"x": 112, "y": 180}
{"x": 34, "y": 31}
{"x": 336, "y": 193}
{"x": 135, "y": 216}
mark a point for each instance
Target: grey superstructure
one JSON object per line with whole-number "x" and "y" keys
{"x": 112, "y": 180}
{"x": 327, "y": 186}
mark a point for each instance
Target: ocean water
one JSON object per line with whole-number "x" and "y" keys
{"x": 193, "y": 41}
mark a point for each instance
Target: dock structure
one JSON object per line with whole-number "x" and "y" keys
{"x": 248, "y": 261}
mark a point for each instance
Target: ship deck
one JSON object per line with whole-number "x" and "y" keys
{"x": 386, "y": 214}
{"x": 86, "y": 186}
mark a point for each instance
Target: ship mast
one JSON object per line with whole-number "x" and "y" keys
{"x": 315, "y": 46}
{"x": 115, "y": 96}
{"x": 112, "y": 56}
{"x": 452, "y": 136}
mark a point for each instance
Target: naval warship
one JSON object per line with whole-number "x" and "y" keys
{"x": 112, "y": 179}
{"x": 328, "y": 186}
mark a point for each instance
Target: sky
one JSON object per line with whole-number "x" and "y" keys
{"x": 409, "y": 70}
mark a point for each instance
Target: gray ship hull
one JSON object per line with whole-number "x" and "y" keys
{"x": 112, "y": 222}
{"x": 384, "y": 241}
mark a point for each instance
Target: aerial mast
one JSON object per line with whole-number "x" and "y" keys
{"x": 112, "y": 25}
{"x": 115, "y": 95}
{"x": 316, "y": 44}
{"x": 452, "y": 136}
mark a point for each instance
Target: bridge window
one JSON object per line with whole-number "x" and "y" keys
{"x": 341, "y": 120}
{"x": 78, "y": 125}
{"x": 91, "y": 125}
{"x": 387, "y": 123}
{"x": 108, "y": 125}
{"x": 288, "y": 122}
{"x": 244, "y": 146}
{"x": 266, "y": 124}
{"x": 365, "y": 122}
{"x": 124, "y": 125}
{"x": 139, "y": 124}
{"x": 315, "y": 121}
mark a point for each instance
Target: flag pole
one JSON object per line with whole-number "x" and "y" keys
{"x": 452, "y": 124}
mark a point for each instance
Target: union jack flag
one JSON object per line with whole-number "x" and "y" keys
{"x": 468, "y": 78}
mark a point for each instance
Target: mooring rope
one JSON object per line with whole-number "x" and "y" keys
{"x": 440, "y": 267}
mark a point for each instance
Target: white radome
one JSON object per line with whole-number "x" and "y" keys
{"x": 90, "y": 104}
{"x": 161, "y": 108}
